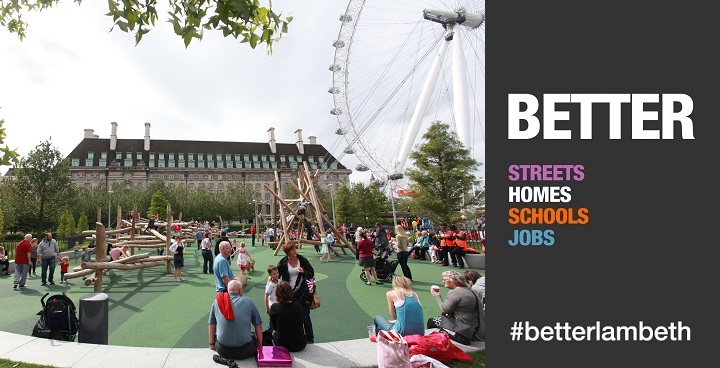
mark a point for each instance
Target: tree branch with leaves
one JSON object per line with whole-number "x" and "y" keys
{"x": 245, "y": 20}
{"x": 9, "y": 156}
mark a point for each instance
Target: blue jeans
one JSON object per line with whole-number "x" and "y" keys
{"x": 381, "y": 323}
{"x": 48, "y": 262}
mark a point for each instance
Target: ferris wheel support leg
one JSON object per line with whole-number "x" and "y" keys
{"x": 460, "y": 92}
{"x": 421, "y": 106}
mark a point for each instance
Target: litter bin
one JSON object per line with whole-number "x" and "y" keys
{"x": 94, "y": 319}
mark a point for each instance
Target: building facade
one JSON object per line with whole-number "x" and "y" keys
{"x": 198, "y": 164}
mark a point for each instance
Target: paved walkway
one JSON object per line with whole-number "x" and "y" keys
{"x": 340, "y": 354}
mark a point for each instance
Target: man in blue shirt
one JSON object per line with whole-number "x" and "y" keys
{"x": 229, "y": 323}
{"x": 221, "y": 267}
{"x": 199, "y": 235}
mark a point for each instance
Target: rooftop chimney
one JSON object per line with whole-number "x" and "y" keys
{"x": 113, "y": 136}
{"x": 90, "y": 133}
{"x": 271, "y": 140}
{"x": 312, "y": 139}
{"x": 147, "y": 136}
{"x": 299, "y": 142}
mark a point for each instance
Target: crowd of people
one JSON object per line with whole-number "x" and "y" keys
{"x": 235, "y": 328}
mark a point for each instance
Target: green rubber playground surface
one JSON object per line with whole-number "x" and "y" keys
{"x": 148, "y": 308}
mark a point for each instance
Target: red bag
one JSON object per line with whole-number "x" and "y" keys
{"x": 436, "y": 345}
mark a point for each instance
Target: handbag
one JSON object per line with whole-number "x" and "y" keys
{"x": 303, "y": 294}
{"x": 392, "y": 350}
{"x": 436, "y": 345}
{"x": 316, "y": 302}
{"x": 461, "y": 331}
{"x": 273, "y": 356}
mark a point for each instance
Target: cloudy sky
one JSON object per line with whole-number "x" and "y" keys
{"x": 70, "y": 73}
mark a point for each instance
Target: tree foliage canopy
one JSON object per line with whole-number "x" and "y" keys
{"x": 245, "y": 20}
{"x": 158, "y": 205}
{"x": 42, "y": 184}
{"x": 443, "y": 175}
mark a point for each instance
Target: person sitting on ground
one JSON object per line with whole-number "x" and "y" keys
{"x": 477, "y": 281}
{"x": 405, "y": 309}
{"x": 460, "y": 302}
{"x": 231, "y": 317}
{"x": 286, "y": 319}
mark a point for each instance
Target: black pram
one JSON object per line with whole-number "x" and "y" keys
{"x": 58, "y": 319}
{"x": 385, "y": 269}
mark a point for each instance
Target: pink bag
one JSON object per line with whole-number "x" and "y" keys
{"x": 392, "y": 350}
{"x": 274, "y": 356}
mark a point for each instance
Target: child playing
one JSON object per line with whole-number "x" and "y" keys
{"x": 85, "y": 257}
{"x": 234, "y": 249}
{"x": 178, "y": 251}
{"x": 76, "y": 251}
{"x": 270, "y": 296}
{"x": 243, "y": 256}
{"x": 325, "y": 247}
{"x": 64, "y": 265}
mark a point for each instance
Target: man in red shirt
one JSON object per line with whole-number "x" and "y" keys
{"x": 22, "y": 261}
{"x": 252, "y": 232}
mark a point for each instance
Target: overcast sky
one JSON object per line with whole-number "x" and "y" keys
{"x": 71, "y": 74}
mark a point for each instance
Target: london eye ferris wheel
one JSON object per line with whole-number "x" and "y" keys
{"x": 398, "y": 67}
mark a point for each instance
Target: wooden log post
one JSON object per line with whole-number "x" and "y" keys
{"x": 100, "y": 252}
{"x": 119, "y": 218}
{"x": 134, "y": 230}
{"x": 99, "y": 215}
{"x": 168, "y": 237}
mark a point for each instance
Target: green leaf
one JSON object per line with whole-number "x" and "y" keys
{"x": 123, "y": 26}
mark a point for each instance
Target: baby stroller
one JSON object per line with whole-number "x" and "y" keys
{"x": 385, "y": 269}
{"x": 58, "y": 320}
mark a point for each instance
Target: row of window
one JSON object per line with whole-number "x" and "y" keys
{"x": 182, "y": 176}
{"x": 207, "y": 156}
{"x": 171, "y": 163}
{"x": 204, "y": 157}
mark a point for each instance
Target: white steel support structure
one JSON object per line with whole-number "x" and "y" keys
{"x": 422, "y": 104}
